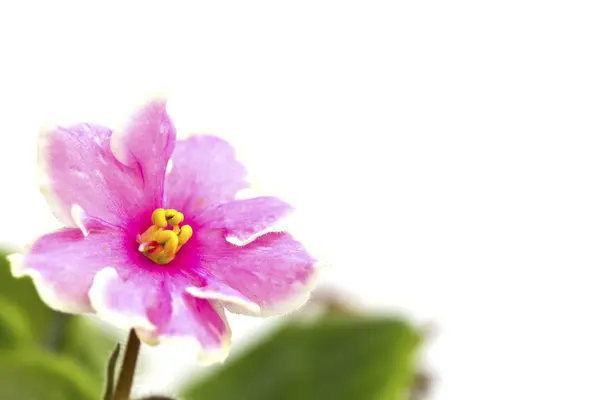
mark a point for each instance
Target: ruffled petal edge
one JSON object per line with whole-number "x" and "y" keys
{"x": 206, "y": 356}
{"x": 146, "y": 330}
{"x": 47, "y": 292}
{"x": 98, "y": 300}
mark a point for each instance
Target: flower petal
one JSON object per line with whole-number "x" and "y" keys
{"x": 76, "y": 166}
{"x": 156, "y": 304}
{"x": 201, "y": 322}
{"x": 244, "y": 220}
{"x": 205, "y": 172}
{"x": 198, "y": 324}
{"x": 86, "y": 223}
{"x": 147, "y": 143}
{"x": 213, "y": 289}
{"x": 274, "y": 271}
{"x": 63, "y": 264}
{"x": 123, "y": 303}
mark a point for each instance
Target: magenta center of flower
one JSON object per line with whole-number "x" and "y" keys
{"x": 158, "y": 242}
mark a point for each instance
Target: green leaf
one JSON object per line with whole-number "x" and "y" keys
{"x": 15, "y": 330}
{"x": 23, "y": 294}
{"x": 69, "y": 335}
{"x": 42, "y": 376}
{"x": 90, "y": 346}
{"x": 350, "y": 358}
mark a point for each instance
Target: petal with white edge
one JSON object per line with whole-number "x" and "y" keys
{"x": 122, "y": 303}
{"x": 217, "y": 290}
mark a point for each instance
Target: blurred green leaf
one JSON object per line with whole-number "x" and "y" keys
{"x": 23, "y": 294}
{"x": 42, "y": 376}
{"x": 15, "y": 329}
{"x": 350, "y": 358}
{"x": 25, "y": 318}
{"x": 89, "y": 346}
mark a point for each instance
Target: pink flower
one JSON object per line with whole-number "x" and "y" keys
{"x": 155, "y": 239}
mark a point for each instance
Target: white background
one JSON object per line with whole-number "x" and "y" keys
{"x": 443, "y": 156}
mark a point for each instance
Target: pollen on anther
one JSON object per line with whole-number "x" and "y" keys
{"x": 158, "y": 218}
{"x": 159, "y": 243}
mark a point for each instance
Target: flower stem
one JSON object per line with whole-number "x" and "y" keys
{"x": 110, "y": 373}
{"x": 125, "y": 381}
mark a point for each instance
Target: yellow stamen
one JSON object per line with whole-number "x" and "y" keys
{"x": 160, "y": 244}
{"x": 169, "y": 241}
{"x": 148, "y": 235}
{"x": 158, "y": 218}
{"x": 185, "y": 235}
{"x": 176, "y": 219}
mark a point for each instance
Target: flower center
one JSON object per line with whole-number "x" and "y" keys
{"x": 160, "y": 244}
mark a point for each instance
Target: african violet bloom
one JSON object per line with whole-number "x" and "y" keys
{"x": 155, "y": 239}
